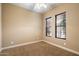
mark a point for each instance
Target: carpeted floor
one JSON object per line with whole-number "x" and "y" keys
{"x": 37, "y": 49}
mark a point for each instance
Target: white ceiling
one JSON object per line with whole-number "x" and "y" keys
{"x": 31, "y": 6}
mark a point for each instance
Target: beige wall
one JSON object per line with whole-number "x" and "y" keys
{"x": 20, "y": 25}
{"x": 0, "y": 26}
{"x": 72, "y": 29}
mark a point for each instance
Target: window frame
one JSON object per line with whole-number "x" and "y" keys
{"x": 60, "y": 26}
{"x": 47, "y": 25}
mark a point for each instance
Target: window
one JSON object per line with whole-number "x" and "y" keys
{"x": 48, "y": 27}
{"x": 60, "y": 25}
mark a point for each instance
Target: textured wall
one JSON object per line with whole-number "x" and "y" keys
{"x": 72, "y": 23}
{"x": 20, "y": 25}
{"x": 0, "y": 26}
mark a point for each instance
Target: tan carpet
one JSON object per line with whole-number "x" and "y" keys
{"x": 37, "y": 49}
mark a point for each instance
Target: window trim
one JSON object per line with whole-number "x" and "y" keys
{"x": 46, "y": 25}
{"x": 57, "y": 26}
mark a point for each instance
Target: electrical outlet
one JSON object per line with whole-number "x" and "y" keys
{"x": 64, "y": 43}
{"x": 12, "y": 42}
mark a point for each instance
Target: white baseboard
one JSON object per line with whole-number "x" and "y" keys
{"x": 67, "y": 49}
{"x": 20, "y": 45}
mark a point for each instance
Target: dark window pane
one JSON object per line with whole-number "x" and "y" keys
{"x": 60, "y": 26}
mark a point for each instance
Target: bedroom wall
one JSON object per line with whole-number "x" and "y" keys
{"x": 0, "y": 27}
{"x": 72, "y": 26}
{"x": 20, "y": 25}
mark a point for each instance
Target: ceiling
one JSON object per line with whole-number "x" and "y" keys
{"x": 37, "y": 7}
